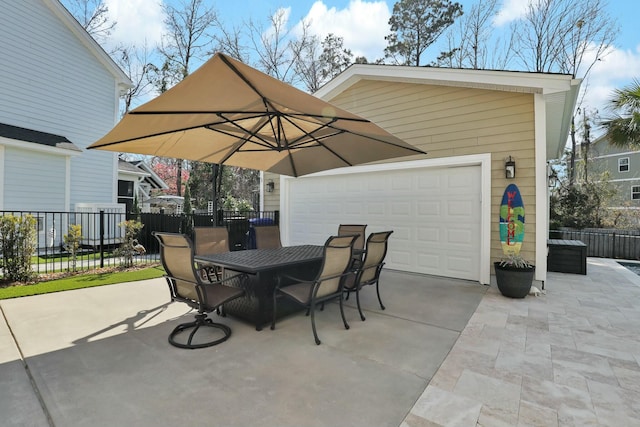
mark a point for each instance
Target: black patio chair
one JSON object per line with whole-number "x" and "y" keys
{"x": 326, "y": 286}
{"x": 187, "y": 286}
{"x": 358, "y": 245}
{"x": 211, "y": 240}
{"x": 369, "y": 272}
{"x": 267, "y": 237}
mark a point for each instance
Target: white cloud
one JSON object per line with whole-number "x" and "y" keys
{"x": 615, "y": 70}
{"x": 137, "y": 22}
{"x": 512, "y": 10}
{"x": 362, "y": 25}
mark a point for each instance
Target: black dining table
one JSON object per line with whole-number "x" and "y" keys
{"x": 264, "y": 269}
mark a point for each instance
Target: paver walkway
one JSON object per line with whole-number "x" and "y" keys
{"x": 567, "y": 358}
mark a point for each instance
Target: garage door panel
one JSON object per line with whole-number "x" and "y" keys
{"x": 429, "y": 208}
{"x": 400, "y": 209}
{"x": 429, "y": 183}
{"x": 376, "y": 208}
{"x": 400, "y": 258}
{"x": 402, "y": 183}
{"x": 462, "y": 238}
{"x": 400, "y": 234}
{"x": 428, "y": 260}
{"x": 428, "y": 235}
{"x": 459, "y": 180}
{"x": 353, "y": 208}
{"x": 459, "y": 208}
{"x": 435, "y": 215}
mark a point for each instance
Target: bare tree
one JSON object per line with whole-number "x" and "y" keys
{"x": 308, "y": 66}
{"x": 277, "y": 47}
{"x": 189, "y": 33}
{"x": 93, "y": 15}
{"x": 558, "y": 36}
{"x": 230, "y": 41}
{"x": 472, "y": 42}
{"x": 319, "y": 62}
{"x": 190, "y": 27}
{"x": 137, "y": 64}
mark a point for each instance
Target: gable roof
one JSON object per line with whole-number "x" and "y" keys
{"x": 89, "y": 42}
{"x": 560, "y": 91}
{"x": 140, "y": 168}
{"x": 36, "y": 137}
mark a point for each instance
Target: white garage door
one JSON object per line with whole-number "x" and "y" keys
{"x": 434, "y": 213}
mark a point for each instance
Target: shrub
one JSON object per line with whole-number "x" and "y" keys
{"x": 18, "y": 244}
{"x": 72, "y": 243}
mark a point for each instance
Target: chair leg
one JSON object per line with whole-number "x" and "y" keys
{"x": 358, "y": 303}
{"x": 313, "y": 323}
{"x": 201, "y": 321}
{"x": 379, "y": 300}
{"x": 344, "y": 320}
{"x": 273, "y": 318}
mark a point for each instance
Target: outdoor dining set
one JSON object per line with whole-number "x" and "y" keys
{"x": 264, "y": 284}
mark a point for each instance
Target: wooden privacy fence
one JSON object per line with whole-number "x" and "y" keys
{"x": 604, "y": 243}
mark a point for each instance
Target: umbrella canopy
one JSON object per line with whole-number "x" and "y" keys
{"x": 229, "y": 113}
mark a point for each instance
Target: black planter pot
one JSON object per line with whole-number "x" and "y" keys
{"x": 514, "y": 282}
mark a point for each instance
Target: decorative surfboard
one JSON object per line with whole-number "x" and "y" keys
{"x": 511, "y": 220}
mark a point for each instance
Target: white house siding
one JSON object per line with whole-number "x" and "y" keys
{"x": 35, "y": 179}
{"x": 51, "y": 82}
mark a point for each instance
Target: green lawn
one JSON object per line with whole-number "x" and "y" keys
{"x": 85, "y": 280}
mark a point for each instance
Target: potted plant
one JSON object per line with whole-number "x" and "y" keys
{"x": 514, "y": 276}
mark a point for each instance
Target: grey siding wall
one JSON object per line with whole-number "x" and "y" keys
{"x": 50, "y": 81}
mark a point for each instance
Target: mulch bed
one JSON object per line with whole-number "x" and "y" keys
{"x": 60, "y": 275}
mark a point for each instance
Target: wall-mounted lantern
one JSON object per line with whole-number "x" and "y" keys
{"x": 270, "y": 186}
{"x": 510, "y": 168}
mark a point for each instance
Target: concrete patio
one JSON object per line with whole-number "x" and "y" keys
{"x": 445, "y": 352}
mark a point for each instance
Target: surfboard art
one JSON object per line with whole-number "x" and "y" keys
{"x": 511, "y": 220}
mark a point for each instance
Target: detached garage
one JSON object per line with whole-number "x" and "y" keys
{"x": 443, "y": 206}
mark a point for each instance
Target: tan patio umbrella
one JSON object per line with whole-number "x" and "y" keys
{"x": 229, "y": 113}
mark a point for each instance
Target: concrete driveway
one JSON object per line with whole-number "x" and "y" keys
{"x": 100, "y": 357}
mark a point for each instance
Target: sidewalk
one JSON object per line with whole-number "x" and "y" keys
{"x": 567, "y": 358}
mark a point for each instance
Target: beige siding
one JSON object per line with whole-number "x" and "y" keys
{"x": 452, "y": 121}
{"x": 272, "y": 200}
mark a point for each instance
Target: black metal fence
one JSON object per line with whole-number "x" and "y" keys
{"x": 604, "y": 243}
{"x": 102, "y": 234}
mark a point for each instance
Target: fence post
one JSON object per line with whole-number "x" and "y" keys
{"x": 613, "y": 249}
{"x": 101, "y": 238}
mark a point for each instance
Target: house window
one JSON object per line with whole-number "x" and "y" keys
{"x": 125, "y": 194}
{"x": 635, "y": 192}
{"x": 125, "y": 188}
{"x": 623, "y": 164}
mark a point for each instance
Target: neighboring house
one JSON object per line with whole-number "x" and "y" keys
{"x": 137, "y": 179}
{"x": 443, "y": 206}
{"x": 59, "y": 92}
{"x": 620, "y": 166}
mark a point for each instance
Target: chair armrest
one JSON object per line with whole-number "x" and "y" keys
{"x": 291, "y": 278}
{"x": 226, "y": 279}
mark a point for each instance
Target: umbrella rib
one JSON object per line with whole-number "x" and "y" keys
{"x": 265, "y": 143}
{"x": 244, "y": 79}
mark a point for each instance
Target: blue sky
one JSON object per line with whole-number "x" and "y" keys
{"x": 364, "y": 23}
